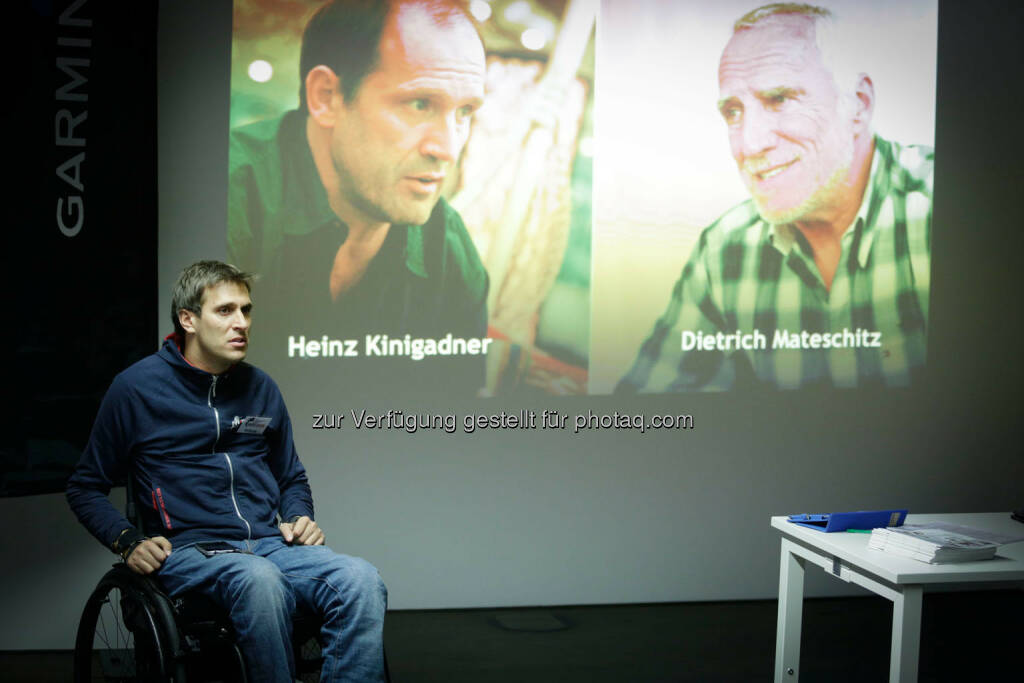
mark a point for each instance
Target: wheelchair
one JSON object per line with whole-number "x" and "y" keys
{"x": 131, "y": 630}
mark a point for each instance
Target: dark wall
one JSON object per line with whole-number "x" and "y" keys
{"x": 81, "y": 256}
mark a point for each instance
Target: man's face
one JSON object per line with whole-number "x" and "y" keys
{"x": 788, "y": 132}
{"x": 221, "y": 333}
{"x": 406, "y": 125}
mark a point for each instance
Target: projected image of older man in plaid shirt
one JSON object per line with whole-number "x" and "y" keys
{"x": 821, "y": 278}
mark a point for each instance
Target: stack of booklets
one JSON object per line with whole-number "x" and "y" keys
{"x": 936, "y": 543}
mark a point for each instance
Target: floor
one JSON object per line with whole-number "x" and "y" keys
{"x": 965, "y": 637}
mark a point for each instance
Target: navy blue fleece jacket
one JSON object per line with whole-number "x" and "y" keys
{"x": 203, "y": 469}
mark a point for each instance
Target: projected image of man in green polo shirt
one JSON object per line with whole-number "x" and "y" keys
{"x": 821, "y": 277}
{"x": 337, "y": 205}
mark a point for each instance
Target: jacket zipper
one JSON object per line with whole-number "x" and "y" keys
{"x": 231, "y": 470}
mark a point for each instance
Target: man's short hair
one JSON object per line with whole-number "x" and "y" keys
{"x": 193, "y": 281}
{"x": 749, "y": 19}
{"x": 839, "y": 44}
{"x": 344, "y": 35}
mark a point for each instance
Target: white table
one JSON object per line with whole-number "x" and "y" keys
{"x": 901, "y": 580}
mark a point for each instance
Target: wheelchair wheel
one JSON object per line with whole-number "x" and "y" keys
{"x": 127, "y": 633}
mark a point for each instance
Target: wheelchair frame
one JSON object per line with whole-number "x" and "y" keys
{"x": 131, "y": 630}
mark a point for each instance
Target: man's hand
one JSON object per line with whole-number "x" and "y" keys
{"x": 303, "y": 531}
{"x": 147, "y": 556}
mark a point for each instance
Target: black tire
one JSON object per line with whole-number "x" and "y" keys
{"x": 127, "y": 633}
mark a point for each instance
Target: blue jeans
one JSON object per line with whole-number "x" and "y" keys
{"x": 260, "y": 589}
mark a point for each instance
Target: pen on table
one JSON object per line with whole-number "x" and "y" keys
{"x": 858, "y": 531}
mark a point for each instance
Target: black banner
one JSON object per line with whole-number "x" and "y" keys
{"x": 82, "y": 251}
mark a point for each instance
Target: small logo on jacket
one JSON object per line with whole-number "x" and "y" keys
{"x": 250, "y": 425}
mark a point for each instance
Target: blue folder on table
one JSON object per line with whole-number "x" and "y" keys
{"x": 841, "y": 521}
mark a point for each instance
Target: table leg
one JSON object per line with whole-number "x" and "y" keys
{"x": 791, "y": 603}
{"x": 906, "y": 635}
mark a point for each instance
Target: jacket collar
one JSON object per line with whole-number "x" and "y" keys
{"x": 173, "y": 353}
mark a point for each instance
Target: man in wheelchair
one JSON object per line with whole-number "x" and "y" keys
{"x": 207, "y": 442}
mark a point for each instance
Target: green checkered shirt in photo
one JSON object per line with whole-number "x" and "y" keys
{"x": 758, "y": 285}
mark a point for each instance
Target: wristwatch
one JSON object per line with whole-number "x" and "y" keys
{"x": 126, "y": 541}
